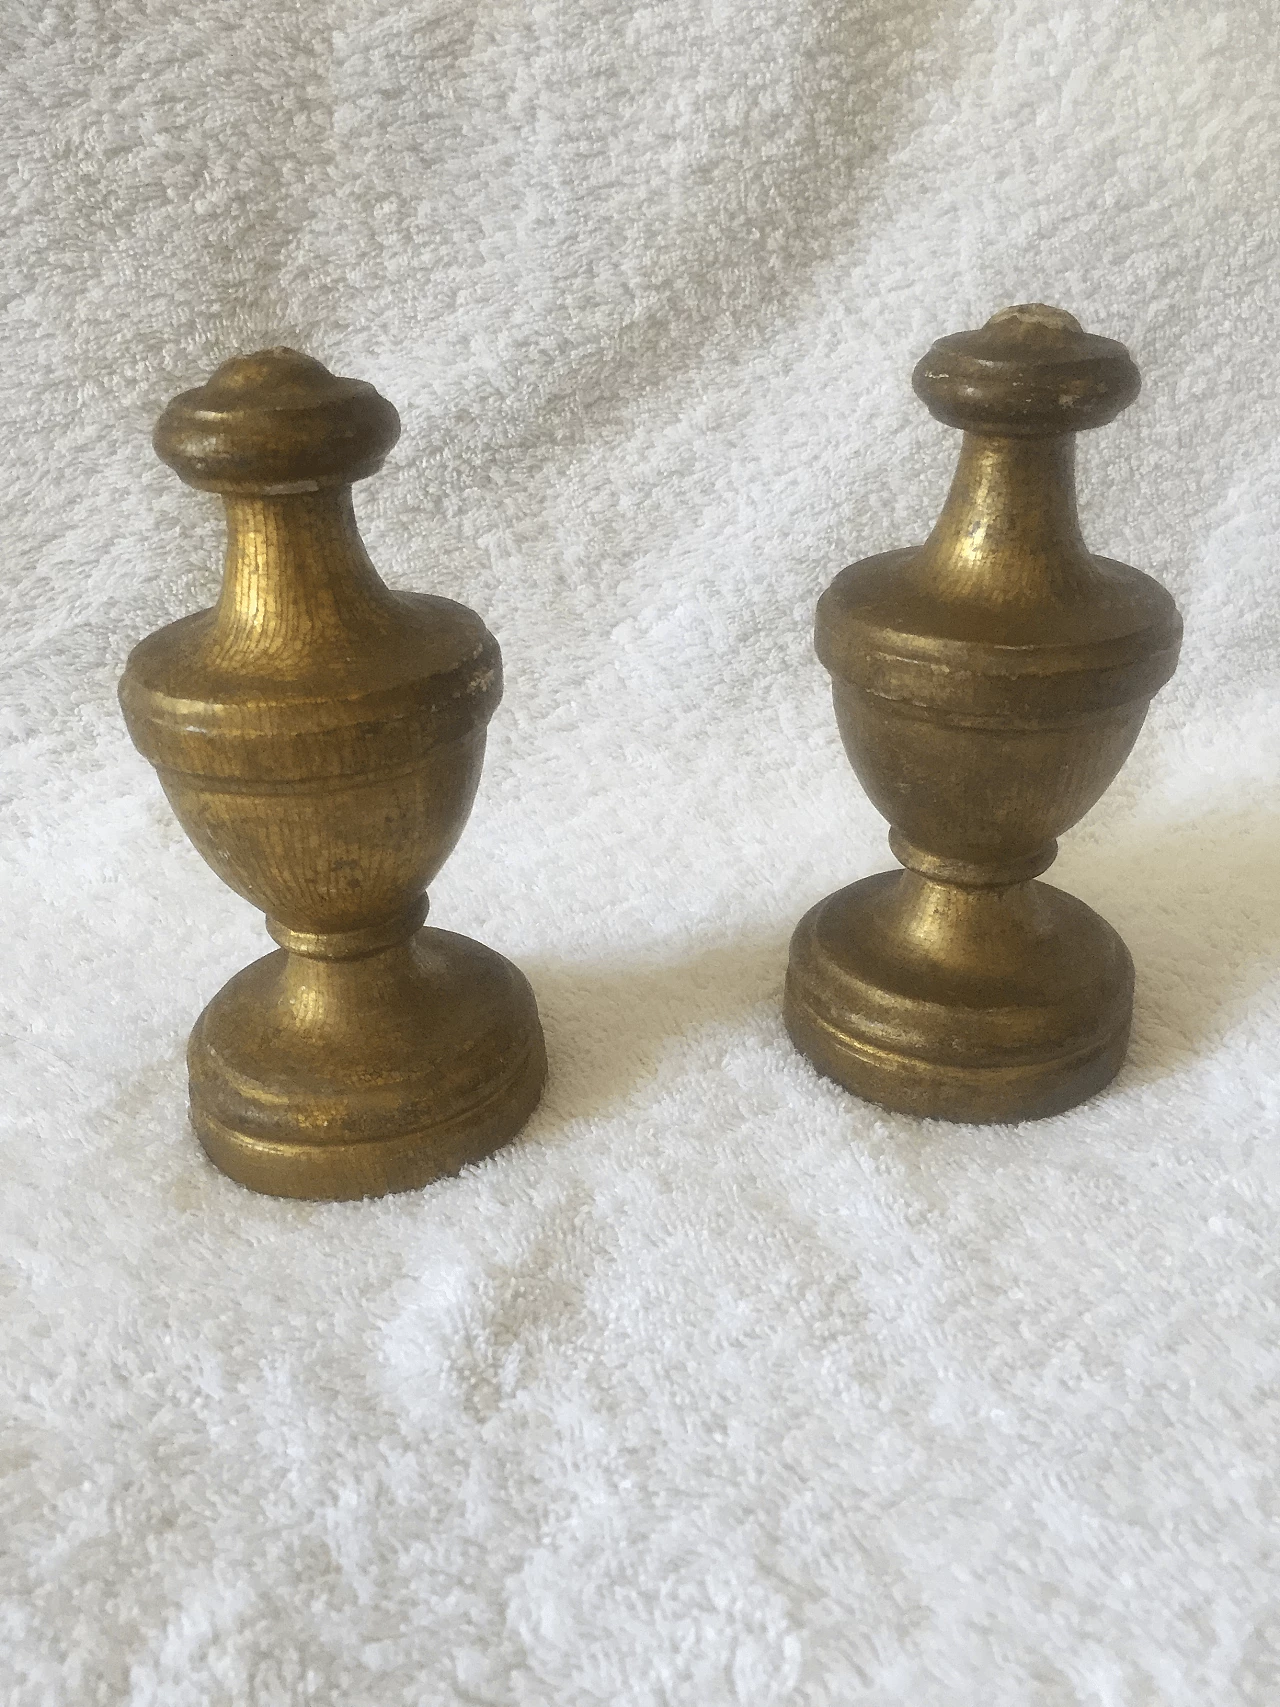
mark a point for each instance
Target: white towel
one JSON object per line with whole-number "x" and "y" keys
{"x": 718, "y": 1386}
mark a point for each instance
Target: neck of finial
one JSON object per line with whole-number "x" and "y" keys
{"x": 1009, "y": 532}
{"x": 298, "y": 585}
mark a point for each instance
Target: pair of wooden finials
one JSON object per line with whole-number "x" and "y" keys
{"x": 321, "y": 738}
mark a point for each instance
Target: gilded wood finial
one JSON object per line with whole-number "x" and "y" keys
{"x": 321, "y": 739}
{"x": 988, "y": 685}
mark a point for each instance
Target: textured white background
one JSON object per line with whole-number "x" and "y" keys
{"x": 719, "y": 1386}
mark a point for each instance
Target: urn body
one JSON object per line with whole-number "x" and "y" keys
{"x": 321, "y": 739}
{"x": 987, "y": 685}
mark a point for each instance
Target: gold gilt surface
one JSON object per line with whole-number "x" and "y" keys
{"x": 320, "y": 739}
{"x": 988, "y": 685}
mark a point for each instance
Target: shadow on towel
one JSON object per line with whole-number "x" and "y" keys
{"x": 1198, "y": 903}
{"x": 614, "y": 1026}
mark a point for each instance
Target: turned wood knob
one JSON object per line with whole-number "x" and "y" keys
{"x": 321, "y": 738}
{"x": 988, "y": 685}
{"x": 1031, "y": 371}
{"x": 276, "y": 422}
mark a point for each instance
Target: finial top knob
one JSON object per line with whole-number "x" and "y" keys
{"x": 276, "y": 421}
{"x": 1031, "y": 372}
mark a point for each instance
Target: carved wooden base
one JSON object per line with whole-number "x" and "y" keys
{"x": 352, "y": 1077}
{"x": 977, "y": 1004}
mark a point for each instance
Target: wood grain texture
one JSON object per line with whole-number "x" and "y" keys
{"x": 988, "y": 686}
{"x": 321, "y": 739}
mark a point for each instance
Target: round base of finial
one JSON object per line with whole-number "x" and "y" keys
{"x": 338, "y": 1079}
{"x": 960, "y": 1004}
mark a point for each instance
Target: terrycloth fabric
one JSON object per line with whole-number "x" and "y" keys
{"x": 719, "y": 1386}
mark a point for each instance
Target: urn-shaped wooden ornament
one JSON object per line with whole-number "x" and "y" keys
{"x": 320, "y": 739}
{"x": 988, "y": 686}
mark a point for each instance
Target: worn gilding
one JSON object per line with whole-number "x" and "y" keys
{"x": 988, "y": 685}
{"x": 320, "y": 739}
